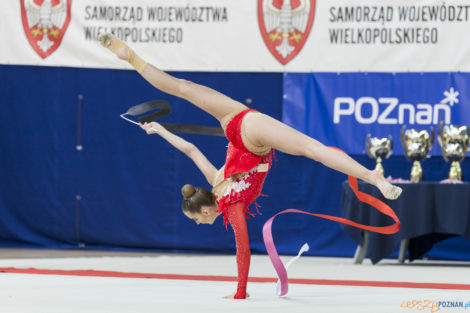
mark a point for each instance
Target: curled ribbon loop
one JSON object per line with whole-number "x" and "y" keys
{"x": 363, "y": 197}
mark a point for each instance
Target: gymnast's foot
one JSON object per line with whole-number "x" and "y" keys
{"x": 388, "y": 190}
{"x": 114, "y": 44}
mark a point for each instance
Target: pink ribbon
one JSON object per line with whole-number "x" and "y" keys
{"x": 272, "y": 252}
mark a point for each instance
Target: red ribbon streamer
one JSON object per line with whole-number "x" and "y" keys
{"x": 363, "y": 197}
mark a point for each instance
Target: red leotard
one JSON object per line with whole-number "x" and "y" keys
{"x": 240, "y": 160}
{"x": 243, "y": 192}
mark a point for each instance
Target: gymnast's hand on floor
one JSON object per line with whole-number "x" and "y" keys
{"x": 232, "y": 296}
{"x": 152, "y": 128}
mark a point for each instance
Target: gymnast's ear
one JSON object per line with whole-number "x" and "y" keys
{"x": 205, "y": 210}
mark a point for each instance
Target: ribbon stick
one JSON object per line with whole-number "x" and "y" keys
{"x": 363, "y": 197}
{"x": 153, "y": 110}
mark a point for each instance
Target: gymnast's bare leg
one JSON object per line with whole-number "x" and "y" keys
{"x": 264, "y": 130}
{"x": 213, "y": 102}
{"x": 259, "y": 128}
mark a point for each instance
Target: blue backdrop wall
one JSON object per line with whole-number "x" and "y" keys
{"x": 129, "y": 182}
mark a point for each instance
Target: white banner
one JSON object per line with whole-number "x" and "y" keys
{"x": 242, "y": 35}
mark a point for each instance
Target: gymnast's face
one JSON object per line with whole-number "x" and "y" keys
{"x": 207, "y": 215}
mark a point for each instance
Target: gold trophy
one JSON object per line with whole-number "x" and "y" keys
{"x": 416, "y": 144}
{"x": 454, "y": 141}
{"x": 379, "y": 149}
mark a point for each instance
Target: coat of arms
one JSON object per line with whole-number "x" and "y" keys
{"x": 45, "y": 23}
{"x": 285, "y": 26}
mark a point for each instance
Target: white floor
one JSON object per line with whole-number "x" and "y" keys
{"x": 66, "y": 294}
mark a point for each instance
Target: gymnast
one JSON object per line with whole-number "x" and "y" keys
{"x": 252, "y": 137}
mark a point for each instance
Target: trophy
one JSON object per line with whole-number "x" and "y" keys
{"x": 454, "y": 141}
{"x": 379, "y": 149}
{"x": 416, "y": 144}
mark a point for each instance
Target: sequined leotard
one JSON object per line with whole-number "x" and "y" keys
{"x": 243, "y": 177}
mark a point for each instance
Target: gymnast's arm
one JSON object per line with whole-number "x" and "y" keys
{"x": 204, "y": 165}
{"x": 236, "y": 217}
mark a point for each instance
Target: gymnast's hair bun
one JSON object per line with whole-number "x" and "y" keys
{"x": 188, "y": 191}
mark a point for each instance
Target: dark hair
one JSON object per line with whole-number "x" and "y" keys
{"x": 195, "y": 198}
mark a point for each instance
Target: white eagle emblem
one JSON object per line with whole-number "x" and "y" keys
{"x": 45, "y": 22}
{"x": 285, "y": 25}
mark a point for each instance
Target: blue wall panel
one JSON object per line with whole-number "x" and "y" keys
{"x": 130, "y": 182}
